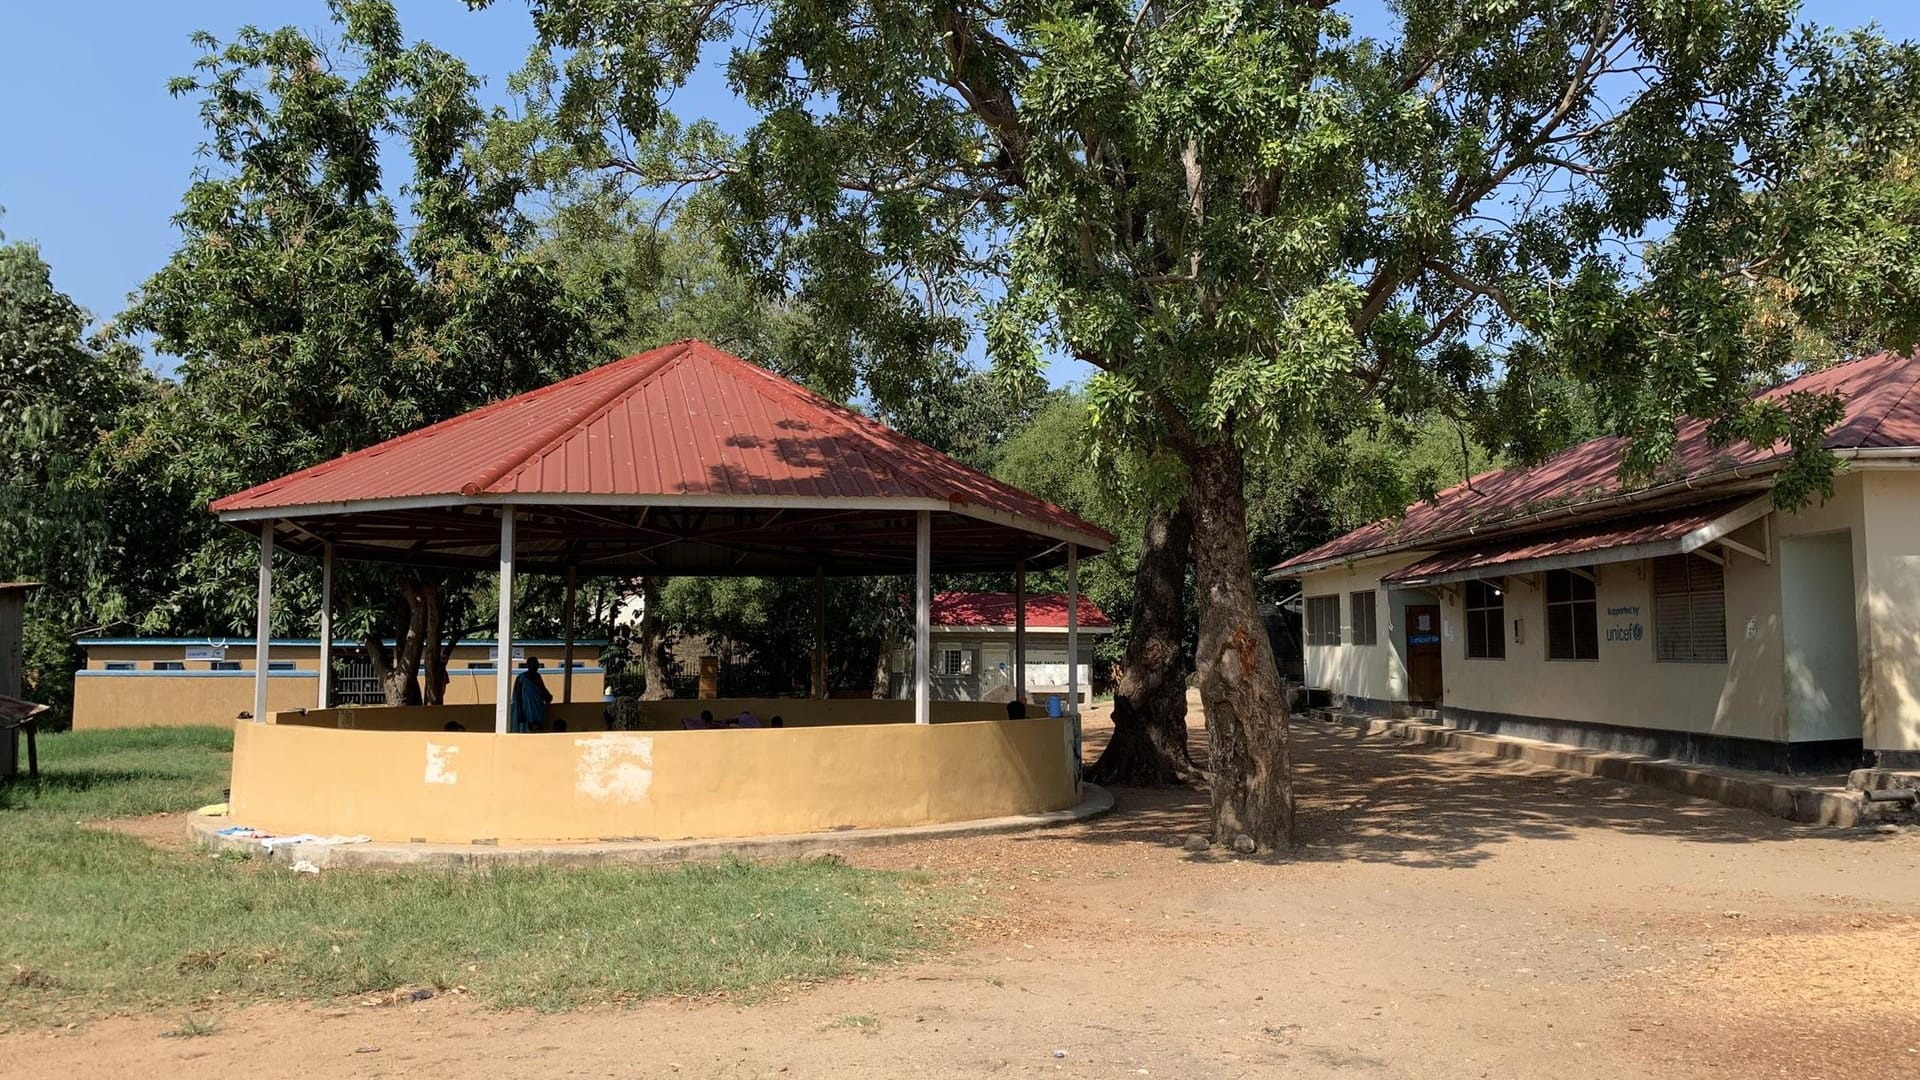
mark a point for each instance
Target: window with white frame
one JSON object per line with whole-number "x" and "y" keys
{"x": 169, "y": 665}
{"x": 121, "y": 665}
{"x": 1366, "y": 625}
{"x": 1689, "y": 610}
{"x": 1486, "y": 616}
{"x": 954, "y": 662}
{"x": 279, "y": 665}
{"x": 1573, "y": 615}
{"x": 225, "y": 665}
{"x": 1323, "y": 620}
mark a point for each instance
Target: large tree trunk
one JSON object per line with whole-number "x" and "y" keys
{"x": 883, "y": 669}
{"x": 1252, "y": 775}
{"x": 1149, "y": 744}
{"x": 434, "y": 649}
{"x": 653, "y": 642}
{"x": 416, "y": 638}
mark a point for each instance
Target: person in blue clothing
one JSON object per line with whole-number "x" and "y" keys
{"x": 530, "y": 698}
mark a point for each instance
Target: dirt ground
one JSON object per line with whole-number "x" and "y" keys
{"x": 1443, "y": 917}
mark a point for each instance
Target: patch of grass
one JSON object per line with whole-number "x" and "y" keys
{"x": 93, "y": 921}
{"x": 194, "y": 1027}
{"x": 855, "y": 1022}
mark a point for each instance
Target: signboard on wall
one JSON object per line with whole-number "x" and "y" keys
{"x": 206, "y": 652}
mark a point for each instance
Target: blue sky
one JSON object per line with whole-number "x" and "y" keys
{"x": 94, "y": 154}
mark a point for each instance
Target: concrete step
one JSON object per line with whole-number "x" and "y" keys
{"x": 1769, "y": 793}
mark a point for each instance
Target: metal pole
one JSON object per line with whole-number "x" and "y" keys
{"x": 566, "y": 661}
{"x": 820, "y": 632}
{"x": 263, "y": 623}
{"x": 1020, "y": 630}
{"x": 503, "y": 661}
{"x": 1073, "y": 629}
{"x": 1073, "y": 656}
{"x": 922, "y": 617}
{"x": 325, "y": 696}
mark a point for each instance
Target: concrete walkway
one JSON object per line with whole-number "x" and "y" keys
{"x": 1812, "y": 800}
{"x": 1094, "y": 801}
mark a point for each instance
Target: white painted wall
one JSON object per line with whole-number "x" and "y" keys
{"x": 1626, "y": 685}
{"x": 1046, "y": 663}
{"x": 1822, "y": 655}
{"x": 1889, "y": 551}
{"x": 1745, "y": 697}
{"x": 1373, "y": 671}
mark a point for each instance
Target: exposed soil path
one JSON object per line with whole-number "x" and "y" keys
{"x": 1444, "y": 917}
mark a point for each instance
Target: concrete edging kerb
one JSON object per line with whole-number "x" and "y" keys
{"x": 204, "y": 831}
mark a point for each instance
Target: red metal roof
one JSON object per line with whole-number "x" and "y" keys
{"x": 1882, "y": 412}
{"x": 1633, "y": 532}
{"x": 996, "y": 609}
{"x": 686, "y": 421}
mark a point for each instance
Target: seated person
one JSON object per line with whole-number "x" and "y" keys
{"x": 1016, "y": 709}
{"x": 746, "y": 719}
{"x": 454, "y": 725}
{"x": 706, "y": 718}
{"x": 776, "y": 721}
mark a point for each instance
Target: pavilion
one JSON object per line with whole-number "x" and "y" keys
{"x": 683, "y": 460}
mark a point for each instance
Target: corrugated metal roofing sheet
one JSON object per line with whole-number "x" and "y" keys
{"x": 1882, "y": 412}
{"x": 1633, "y": 532}
{"x": 996, "y": 609}
{"x": 685, "y": 419}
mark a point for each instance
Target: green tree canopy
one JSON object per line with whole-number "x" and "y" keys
{"x": 1262, "y": 228}
{"x": 312, "y": 315}
{"x": 86, "y": 542}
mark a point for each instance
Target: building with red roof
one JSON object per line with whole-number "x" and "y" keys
{"x": 975, "y": 647}
{"x": 1684, "y": 618}
{"x": 684, "y": 460}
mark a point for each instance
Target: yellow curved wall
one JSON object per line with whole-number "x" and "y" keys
{"x": 594, "y": 785}
{"x": 651, "y": 715}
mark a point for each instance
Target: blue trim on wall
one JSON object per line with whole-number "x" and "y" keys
{"x": 338, "y": 643}
{"x": 298, "y": 673}
{"x": 95, "y": 673}
{"x": 488, "y": 672}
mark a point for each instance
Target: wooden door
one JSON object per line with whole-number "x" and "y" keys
{"x": 1423, "y": 652}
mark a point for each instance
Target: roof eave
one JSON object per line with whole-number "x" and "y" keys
{"x": 1089, "y": 542}
{"x": 1687, "y": 542}
{"x": 1727, "y": 480}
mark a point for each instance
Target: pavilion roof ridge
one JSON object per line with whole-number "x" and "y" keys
{"x": 648, "y": 366}
{"x": 401, "y": 442}
{"x": 776, "y": 390}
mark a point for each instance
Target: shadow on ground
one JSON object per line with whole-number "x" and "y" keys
{"x": 1375, "y": 799}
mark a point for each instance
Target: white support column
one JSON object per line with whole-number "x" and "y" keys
{"x": 326, "y": 627}
{"x": 566, "y": 661}
{"x": 922, "y": 617}
{"x": 1020, "y": 630}
{"x": 1073, "y": 657}
{"x": 263, "y": 623}
{"x": 1073, "y": 629}
{"x": 503, "y": 662}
